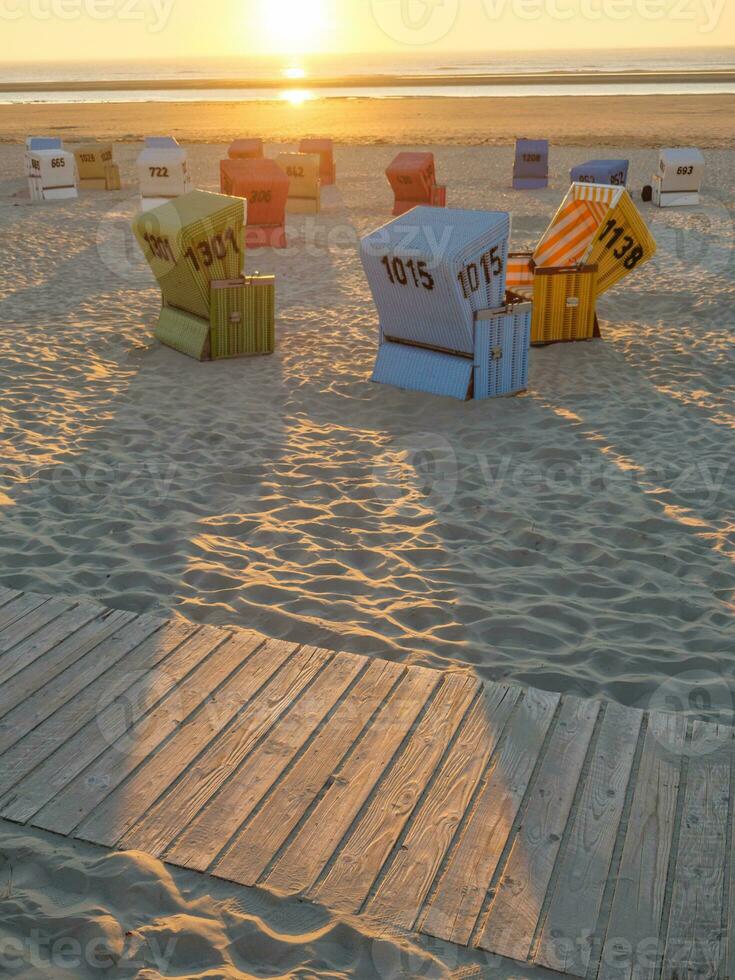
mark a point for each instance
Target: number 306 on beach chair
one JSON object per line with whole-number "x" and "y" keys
{"x": 412, "y": 176}
{"x": 195, "y": 246}
{"x": 438, "y": 280}
{"x": 596, "y": 238}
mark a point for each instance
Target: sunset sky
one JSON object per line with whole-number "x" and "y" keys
{"x": 127, "y": 29}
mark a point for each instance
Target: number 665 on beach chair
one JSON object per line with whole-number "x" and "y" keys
{"x": 195, "y": 246}
{"x": 596, "y": 238}
{"x": 438, "y": 281}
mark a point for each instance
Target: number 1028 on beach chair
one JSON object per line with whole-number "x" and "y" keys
{"x": 438, "y": 280}
{"x": 195, "y": 246}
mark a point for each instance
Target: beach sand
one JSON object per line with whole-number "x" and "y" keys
{"x": 577, "y": 538}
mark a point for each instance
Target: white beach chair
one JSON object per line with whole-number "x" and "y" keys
{"x": 163, "y": 174}
{"x": 678, "y": 181}
{"x": 52, "y": 175}
{"x": 438, "y": 280}
{"x": 160, "y": 143}
{"x": 40, "y": 143}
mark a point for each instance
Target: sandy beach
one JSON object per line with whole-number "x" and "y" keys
{"x": 579, "y": 538}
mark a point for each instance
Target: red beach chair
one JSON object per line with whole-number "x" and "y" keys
{"x": 325, "y": 149}
{"x": 265, "y": 188}
{"x": 413, "y": 179}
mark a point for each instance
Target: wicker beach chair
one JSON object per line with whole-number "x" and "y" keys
{"x": 611, "y": 172}
{"x": 246, "y": 149}
{"x": 163, "y": 175}
{"x": 195, "y": 246}
{"x": 96, "y": 169}
{"x": 678, "y": 180}
{"x": 412, "y": 176}
{"x": 438, "y": 278}
{"x": 265, "y": 186}
{"x": 595, "y": 240}
{"x": 325, "y": 150}
{"x": 531, "y": 167}
{"x": 305, "y": 185}
{"x": 52, "y": 174}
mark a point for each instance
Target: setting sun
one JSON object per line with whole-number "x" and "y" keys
{"x": 293, "y": 26}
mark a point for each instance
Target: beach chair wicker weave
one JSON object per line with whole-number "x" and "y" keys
{"x": 95, "y": 167}
{"x": 412, "y": 176}
{"x": 195, "y": 246}
{"x": 243, "y": 317}
{"x": 431, "y": 272}
{"x": 678, "y": 180}
{"x": 611, "y": 172}
{"x": 52, "y": 175}
{"x": 596, "y": 238}
{"x": 246, "y": 149}
{"x": 325, "y": 150}
{"x": 305, "y": 188}
{"x": 264, "y": 185}
{"x": 191, "y": 241}
{"x": 531, "y": 167}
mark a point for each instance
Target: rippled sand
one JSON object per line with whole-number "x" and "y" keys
{"x": 578, "y": 538}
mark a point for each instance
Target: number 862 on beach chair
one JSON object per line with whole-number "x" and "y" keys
{"x": 438, "y": 280}
{"x": 595, "y": 240}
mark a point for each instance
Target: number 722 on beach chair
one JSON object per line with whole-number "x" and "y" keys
{"x": 596, "y": 239}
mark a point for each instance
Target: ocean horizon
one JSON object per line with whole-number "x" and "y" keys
{"x": 665, "y": 71}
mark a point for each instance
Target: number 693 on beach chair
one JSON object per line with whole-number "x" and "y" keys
{"x": 195, "y": 246}
{"x": 595, "y": 240}
{"x": 438, "y": 280}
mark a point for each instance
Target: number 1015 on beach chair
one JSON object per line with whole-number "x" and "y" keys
{"x": 596, "y": 238}
{"x": 195, "y": 246}
{"x": 438, "y": 281}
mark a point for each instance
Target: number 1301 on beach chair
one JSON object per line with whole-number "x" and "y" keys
{"x": 195, "y": 246}
{"x": 595, "y": 240}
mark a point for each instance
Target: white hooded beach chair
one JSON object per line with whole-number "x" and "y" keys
{"x": 40, "y": 143}
{"x": 678, "y": 181}
{"x": 52, "y": 175}
{"x": 163, "y": 175}
{"x": 438, "y": 280}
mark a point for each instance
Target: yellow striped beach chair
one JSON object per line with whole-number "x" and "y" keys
{"x": 596, "y": 238}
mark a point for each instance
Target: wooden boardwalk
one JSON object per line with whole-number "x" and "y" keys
{"x": 586, "y": 837}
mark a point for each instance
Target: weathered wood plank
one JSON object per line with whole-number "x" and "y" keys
{"x": 567, "y": 937}
{"x": 634, "y": 944}
{"x": 131, "y": 747}
{"x": 363, "y": 855}
{"x": 457, "y": 902}
{"x": 129, "y": 699}
{"x": 513, "y": 917}
{"x": 59, "y": 710}
{"x": 310, "y": 850}
{"x": 18, "y": 646}
{"x": 70, "y": 681}
{"x": 408, "y": 881}
{"x": 68, "y": 640}
{"x": 124, "y": 807}
{"x": 8, "y": 595}
{"x": 694, "y": 947}
{"x": 15, "y": 607}
{"x": 253, "y": 851}
{"x": 210, "y": 823}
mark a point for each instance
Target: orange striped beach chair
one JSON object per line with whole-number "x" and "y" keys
{"x": 596, "y": 238}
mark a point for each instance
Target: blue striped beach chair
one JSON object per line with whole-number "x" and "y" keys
{"x": 438, "y": 281}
